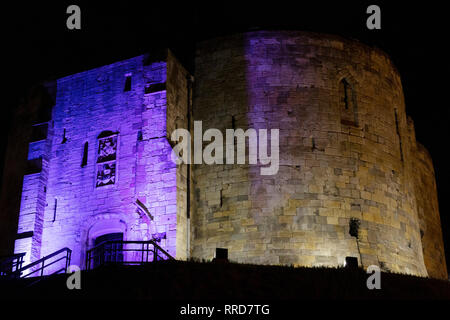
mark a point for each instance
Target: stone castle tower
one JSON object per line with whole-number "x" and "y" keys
{"x": 352, "y": 180}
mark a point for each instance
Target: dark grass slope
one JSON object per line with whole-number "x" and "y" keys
{"x": 206, "y": 281}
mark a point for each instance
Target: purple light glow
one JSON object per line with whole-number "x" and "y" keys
{"x": 87, "y": 104}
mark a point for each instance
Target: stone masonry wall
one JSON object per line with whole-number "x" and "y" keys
{"x": 347, "y": 153}
{"x": 335, "y": 164}
{"x": 429, "y": 220}
{"x": 177, "y": 108}
{"x": 88, "y": 104}
{"x": 29, "y": 112}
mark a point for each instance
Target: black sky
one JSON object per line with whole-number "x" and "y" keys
{"x": 38, "y": 46}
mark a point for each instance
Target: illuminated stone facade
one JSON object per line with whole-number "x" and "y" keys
{"x": 347, "y": 151}
{"x": 105, "y": 151}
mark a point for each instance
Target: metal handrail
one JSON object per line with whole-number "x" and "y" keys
{"x": 10, "y": 264}
{"x": 44, "y": 266}
{"x": 100, "y": 251}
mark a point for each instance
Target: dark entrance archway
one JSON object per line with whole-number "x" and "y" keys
{"x": 108, "y": 248}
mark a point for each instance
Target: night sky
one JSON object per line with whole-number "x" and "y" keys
{"x": 38, "y": 46}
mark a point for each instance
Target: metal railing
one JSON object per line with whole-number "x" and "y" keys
{"x": 37, "y": 268}
{"x": 10, "y": 264}
{"x": 125, "y": 253}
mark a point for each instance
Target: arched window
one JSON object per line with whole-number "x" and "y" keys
{"x": 106, "y": 158}
{"x": 347, "y": 101}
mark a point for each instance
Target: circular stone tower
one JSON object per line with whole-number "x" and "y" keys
{"x": 345, "y": 185}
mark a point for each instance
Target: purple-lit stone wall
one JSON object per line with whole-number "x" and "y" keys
{"x": 76, "y": 211}
{"x": 340, "y": 159}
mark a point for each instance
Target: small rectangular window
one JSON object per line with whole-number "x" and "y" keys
{"x": 24, "y": 235}
{"x": 33, "y": 166}
{"x": 347, "y": 101}
{"x": 127, "y": 83}
{"x": 156, "y": 87}
{"x": 39, "y": 132}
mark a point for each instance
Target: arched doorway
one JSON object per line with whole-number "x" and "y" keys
{"x": 104, "y": 241}
{"x": 108, "y": 248}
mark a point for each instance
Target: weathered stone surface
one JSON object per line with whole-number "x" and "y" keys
{"x": 347, "y": 151}
{"x": 428, "y": 209}
{"x": 68, "y": 204}
{"x": 331, "y": 170}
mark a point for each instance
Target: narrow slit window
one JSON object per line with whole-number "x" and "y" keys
{"x": 55, "y": 207}
{"x": 347, "y": 101}
{"x": 397, "y": 128}
{"x": 127, "y": 83}
{"x": 64, "y": 139}
{"x": 345, "y": 93}
{"x": 85, "y": 155}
